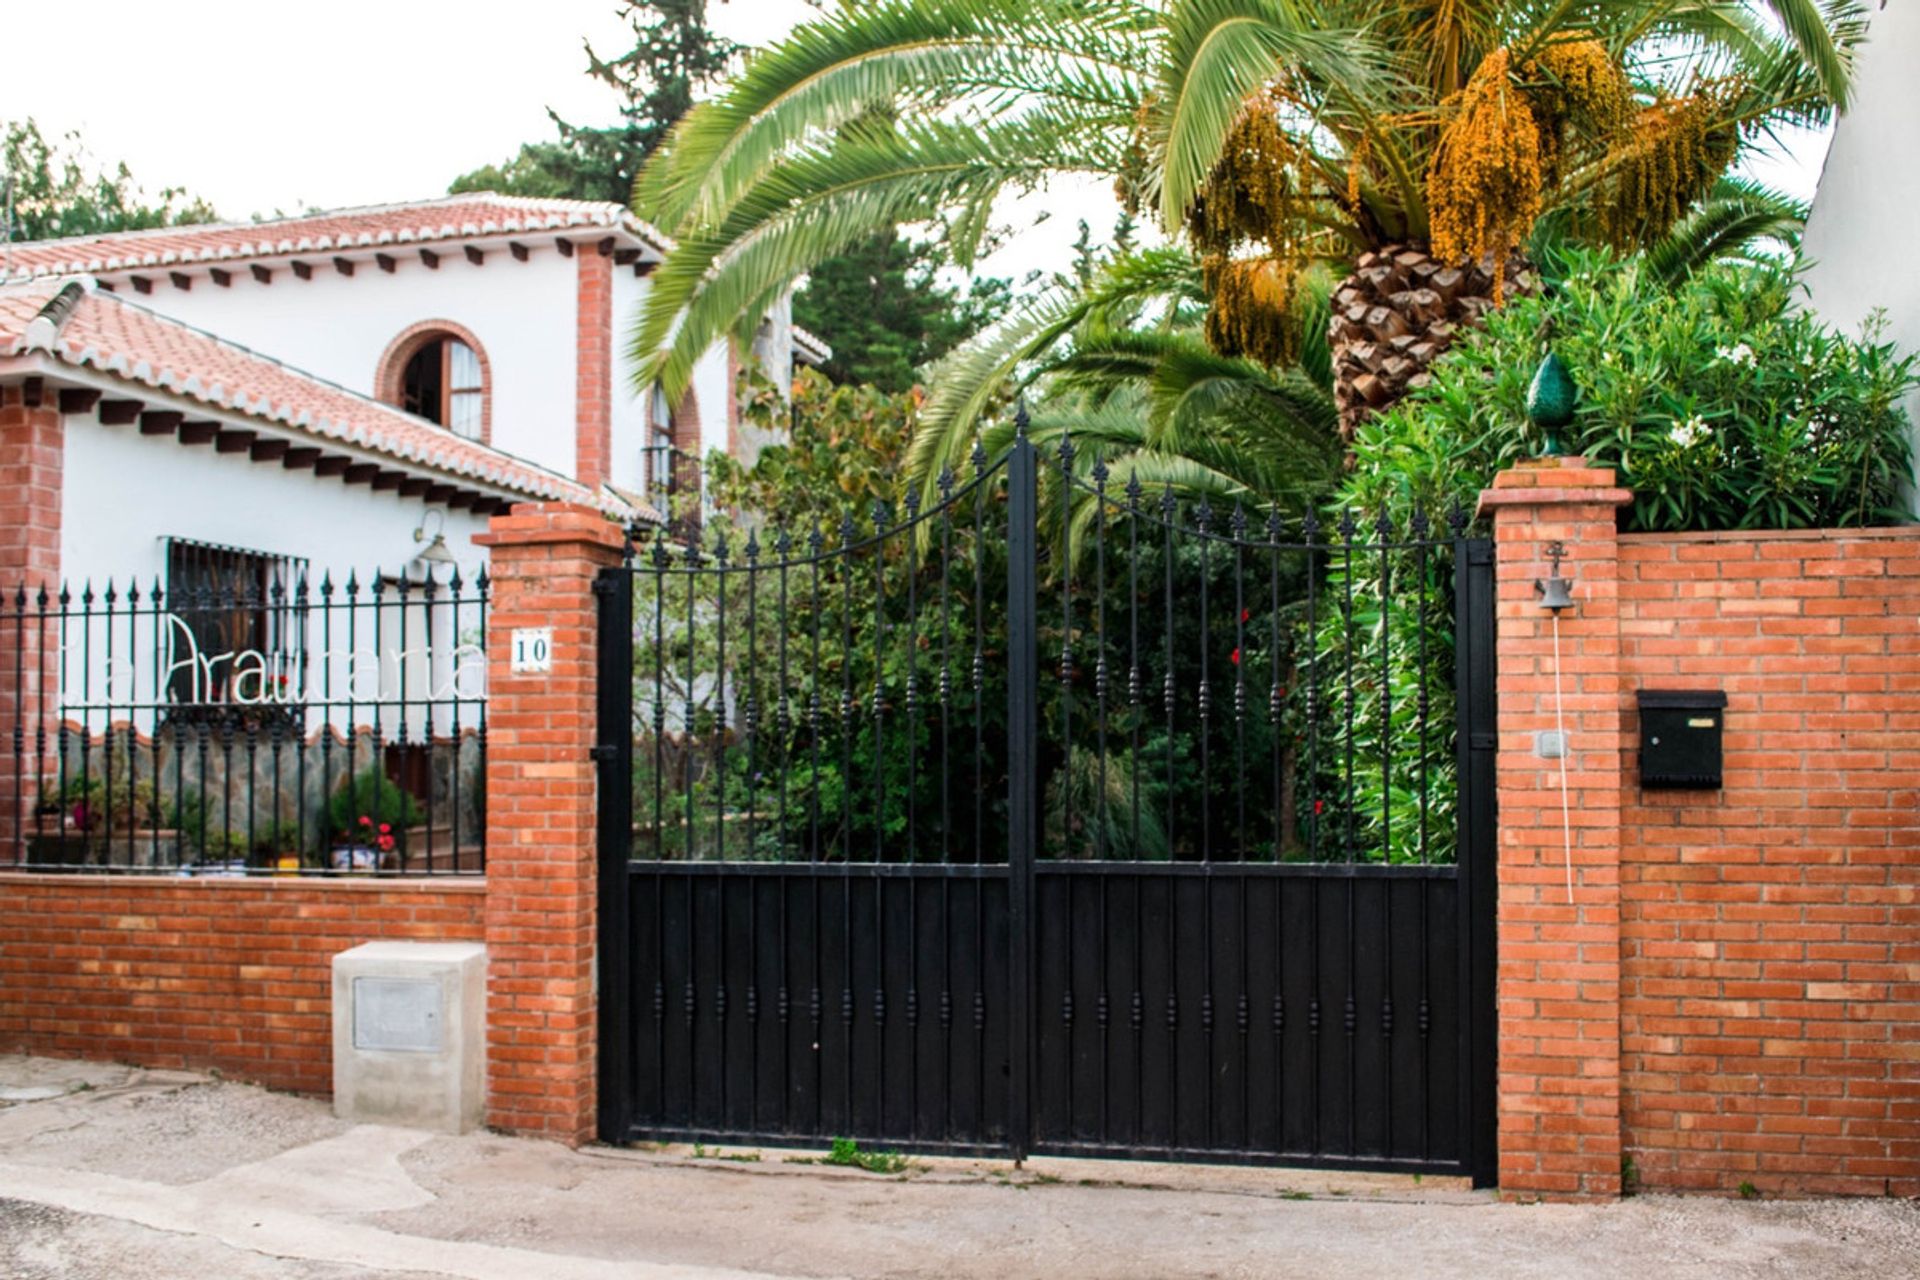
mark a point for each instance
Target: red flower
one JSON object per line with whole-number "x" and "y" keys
{"x": 384, "y": 828}
{"x": 1234, "y": 657}
{"x": 1245, "y": 614}
{"x": 365, "y": 821}
{"x": 1319, "y": 807}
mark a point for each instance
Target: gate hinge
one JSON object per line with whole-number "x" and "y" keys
{"x": 605, "y": 753}
{"x": 1483, "y": 742}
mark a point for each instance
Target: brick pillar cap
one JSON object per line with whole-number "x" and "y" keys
{"x": 546, "y": 523}
{"x": 1541, "y": 482}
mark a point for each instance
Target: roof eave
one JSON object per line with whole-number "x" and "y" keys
{"x": 58, "y": 372}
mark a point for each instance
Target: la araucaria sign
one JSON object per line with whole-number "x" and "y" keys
{"x": 180, "y": 671}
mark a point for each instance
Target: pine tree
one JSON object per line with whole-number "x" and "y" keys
{"x": 881, "y": 308}
{"x": 673, "y": 56}
{"x": 52, "y": 189}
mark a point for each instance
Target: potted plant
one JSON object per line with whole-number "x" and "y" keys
{"x": 278, "y": 847}
{"x": 366, "y": 819}
{"x": 65, "y": 819}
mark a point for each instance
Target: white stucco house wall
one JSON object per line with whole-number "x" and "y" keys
{"x": 523, "y": 306}
{"x": 516, "y": 309}
{"x": 1869, "y": 193}
{"x": 239, "y": 419}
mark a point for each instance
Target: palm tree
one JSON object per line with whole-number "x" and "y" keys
{"x": 1122, "y": 364}
{"x": 1414, "y": 144}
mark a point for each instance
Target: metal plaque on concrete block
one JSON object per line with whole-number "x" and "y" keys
{"x": 397, "y": 1015}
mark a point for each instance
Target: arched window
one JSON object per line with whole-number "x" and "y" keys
{"x": 437, "y": 370}
{"x": 441, "y": 383}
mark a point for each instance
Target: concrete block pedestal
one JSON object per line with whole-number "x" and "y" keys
{"x": 409, "y": 1034}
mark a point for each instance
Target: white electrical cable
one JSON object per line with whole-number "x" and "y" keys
{"x": 1560, "y": 727}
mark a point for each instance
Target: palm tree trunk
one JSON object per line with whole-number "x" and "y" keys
{"x": 1399, "y": 309}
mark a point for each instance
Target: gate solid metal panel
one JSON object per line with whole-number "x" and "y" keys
{"x": 775, "y": 1001}
{"x": 1249, "y": 1014}
{"x": 764, "y": 981}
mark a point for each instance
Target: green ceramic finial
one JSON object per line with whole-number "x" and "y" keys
{"x": 1550, "y": 401}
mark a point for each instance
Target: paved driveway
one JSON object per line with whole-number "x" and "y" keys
{"x": 112, "y": 1172}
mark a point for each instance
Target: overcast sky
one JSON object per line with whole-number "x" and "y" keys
{"x": 263, "y": 105}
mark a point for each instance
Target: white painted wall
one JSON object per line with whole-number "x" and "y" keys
{"x": 125, "y": 494}
{"x": 710, "y": 387}
{"x": 629, "y": 432}
{"x": 1870, "y": 190}
{"x": 337, "y": 327}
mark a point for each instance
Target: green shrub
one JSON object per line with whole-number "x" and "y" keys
{"x": 372, "y": 796}
{"x": 1720, "y": 403}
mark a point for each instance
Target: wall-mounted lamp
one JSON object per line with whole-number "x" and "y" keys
{"x": 1556, "y": 591}
{"x": 435, "y": 552}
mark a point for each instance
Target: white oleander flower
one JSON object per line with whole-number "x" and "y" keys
{"x": 1691, "y": 432}
{"x": 1739, "y": 353}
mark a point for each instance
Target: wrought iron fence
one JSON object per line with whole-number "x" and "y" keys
{"x": 240, "y": 718}
{"x": 820, "y": 694}
{"x": 1222, "y": 685}
{"x": 1063, "y": 814}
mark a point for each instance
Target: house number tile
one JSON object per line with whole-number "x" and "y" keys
{"x": 532, "y": 650}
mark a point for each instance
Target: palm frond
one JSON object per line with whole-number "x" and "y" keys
{"x": 1220, "y": 51}
{"x": 1812, "y": 32}
{"x": 816, "y": 204}
{"x": 1726, "y": 224}
{"x": 979, "y": 373}
{"x": 971, "y": 379}
{"x": 876, "y": 56}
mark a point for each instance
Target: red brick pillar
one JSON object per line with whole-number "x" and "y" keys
{"x": 593, "y": 367}
{"x": 540, "y": 916}
{"x": 1559, "y": 951}
{"x": 32, "y": 457}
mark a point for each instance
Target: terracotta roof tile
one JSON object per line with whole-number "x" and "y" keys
{"x": 86, "y": 328}
{"x": 341, "y": 230}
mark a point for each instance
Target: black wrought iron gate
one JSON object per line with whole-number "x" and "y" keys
{"x": 1216, "y": 884}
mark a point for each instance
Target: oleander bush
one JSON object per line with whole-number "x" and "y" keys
{"x": 1721, "y": 402}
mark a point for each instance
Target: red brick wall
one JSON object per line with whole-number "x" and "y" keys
{"x": 229, "y": 975}
{"x": 593, "y": 367}
{"x": 1558, "y": 975}
{"x": 32, "y": 467}
{"x": 1770, "y": 932}
{"x": 32, "y": 460}
{"x": 541, "y": 847}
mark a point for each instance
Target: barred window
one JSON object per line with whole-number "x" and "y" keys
{"x": 233, "y": 632}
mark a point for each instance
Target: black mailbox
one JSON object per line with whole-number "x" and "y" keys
{"x": 1680, "y": 737}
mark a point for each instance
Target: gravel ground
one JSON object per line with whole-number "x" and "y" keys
{"x": 962, "y": 1221}
{"x": 38, "y": 1243}
{"x": 198, "y": 1127}
{"x": 143, "y": 1176}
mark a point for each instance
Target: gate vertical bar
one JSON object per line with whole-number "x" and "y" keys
{"x": 1477, "y": 742}
{"x": 613, "y": 756}
{"x": 1023, "y": 694}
